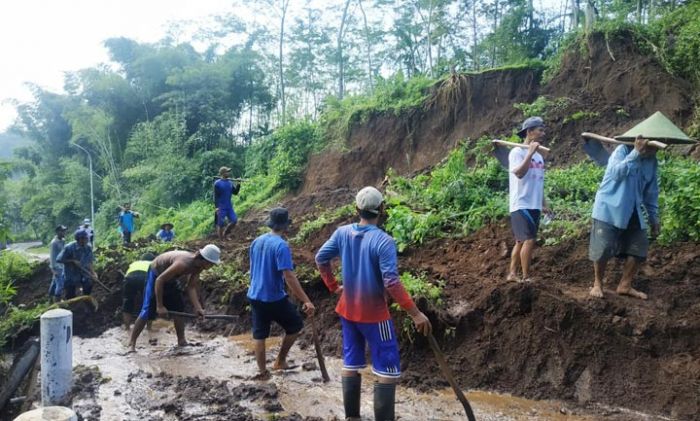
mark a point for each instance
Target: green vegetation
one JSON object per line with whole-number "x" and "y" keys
{"x": 542, "y": 106}
{"x": 679, "y": 199}
{"x": 418, "y": 286}
{"x": 309, "y": 227}
{"x": 17, "y": 319}
{"x": 452, "y": 199}
{"x": 14, "y": 267}
{"x": 231, "y": 276}
{"x": 581, "y": 115}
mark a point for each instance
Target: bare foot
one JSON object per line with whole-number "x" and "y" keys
{"x": 262, "y": 376}
{"x": 632, "y": 293}
{"x": 283, "y": 366}
{"x": 512, "y": 277}
{"x": 596, "y": 292}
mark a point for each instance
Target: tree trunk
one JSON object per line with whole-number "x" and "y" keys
{"x": 285, "y": 3}
{"x": 341, "y": 65}
{"x": 430, "y": 38}
{"x": 475, "y": 35}
{"x": 369, "y": 47}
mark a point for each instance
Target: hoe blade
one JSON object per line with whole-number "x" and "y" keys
{"x": 596, "y": 152}
{"x": 501, "y": 154}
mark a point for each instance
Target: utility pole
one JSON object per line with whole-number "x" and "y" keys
{"x": 92, "y": 193}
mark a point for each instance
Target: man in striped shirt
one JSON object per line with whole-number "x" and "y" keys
{"x": 369, "y": 265}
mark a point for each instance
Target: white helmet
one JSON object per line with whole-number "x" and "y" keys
{"x": 211, "y": 253}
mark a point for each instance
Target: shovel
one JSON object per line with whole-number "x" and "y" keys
{"x": 94, "y": 278}
{"x": 599, "y": 154}
{"x": 501, "y": 150}
{"x": 449, "y": 375}
{"x": 226, "y": 317}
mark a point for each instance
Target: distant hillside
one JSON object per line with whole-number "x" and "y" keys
{"x": 8, "y": 143}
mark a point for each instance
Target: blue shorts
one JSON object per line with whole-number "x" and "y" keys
{"x": 283, "y": 312}
{"x": 383, "y": 346}
{"x": 172, "y": 298}
{"x": 223, "y": 214}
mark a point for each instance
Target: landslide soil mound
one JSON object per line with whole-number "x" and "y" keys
{"x": 611, "y": 78}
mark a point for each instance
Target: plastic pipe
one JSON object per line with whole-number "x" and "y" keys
{"x": 56, "y": 356}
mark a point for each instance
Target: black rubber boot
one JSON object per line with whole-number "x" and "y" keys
{"x": 384, "y": 396}
{"x": 352, "y": 386}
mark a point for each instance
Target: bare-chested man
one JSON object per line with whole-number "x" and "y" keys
{"x": 162, "y": 293}
{"x": 619, "y": 227}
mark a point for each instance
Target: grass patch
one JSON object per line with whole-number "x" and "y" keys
{"x": 309, "y": 227}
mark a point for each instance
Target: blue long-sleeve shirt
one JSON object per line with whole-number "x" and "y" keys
{"x": 630, "y": 182}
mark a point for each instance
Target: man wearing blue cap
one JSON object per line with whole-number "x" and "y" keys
{"x": 271, "y": 268}
{"x": 77, "y": 259}
{"x": 527, "y": 202}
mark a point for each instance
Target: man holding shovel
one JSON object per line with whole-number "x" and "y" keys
{"x": 619, "y": 228}
{"x": 271, "y": 268}
{"x": 162, "y": 292}
{"x": 78, "y": 260}
{"x": 369, "y": 264}
{"x": 527, "y": 202}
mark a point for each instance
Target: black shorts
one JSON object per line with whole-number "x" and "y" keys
{"x": 283, "y": 312}
{"x": 134, "y": 284}
{"x": 525, "y": 223}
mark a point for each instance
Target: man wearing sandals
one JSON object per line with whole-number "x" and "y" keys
{"x": 619, "y": 228}
{"x": 527, "y": 202}
{"x": 271, "y": 268}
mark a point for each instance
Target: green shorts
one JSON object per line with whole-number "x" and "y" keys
{"x": 608, "y": 241}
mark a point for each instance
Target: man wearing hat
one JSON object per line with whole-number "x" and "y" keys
{"x": 78, "y": 260}
{"x": 126, "y": 222}
{"x": 526, "y": 186}
{"x": 55, "y": 248}
{"x": 88, "y": 228}
{"x": 369, "y": 266}
{"x": 630, "y": 186}
{"x": 271, "y": 268}
{"x": 134, "y": 283}
{"x": 224, "y": 188}
{"x": 166, "y": 233}
{"x": 162, "y": 293}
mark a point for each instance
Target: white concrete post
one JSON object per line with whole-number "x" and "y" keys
{"x": 56, "y": 356}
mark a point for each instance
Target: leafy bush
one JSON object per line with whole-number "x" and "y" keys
{"x": 542, "y": 106}
{"x": 16, "y": 319}
{"x": 13, "y": 266}
{"x": 582, "y": 115}
{"x": 318, "y": 222}
{"x": 418, "y": 286}
{"x": 679, "y": 199}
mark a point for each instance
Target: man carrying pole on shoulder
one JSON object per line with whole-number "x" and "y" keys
{"x": 224, "y": 188}
{"x": 527, "y": 202}
{"x": 630, "y": 185}
{"x": 369, "y": 264}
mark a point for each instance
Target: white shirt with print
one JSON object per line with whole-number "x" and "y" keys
{"x": 526, "y": 192}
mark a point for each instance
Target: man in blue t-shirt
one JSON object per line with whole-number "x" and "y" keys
{"x": 77, "y": 259}
{"x": 126, "y": 222}
{"x": 270, "y": 268}
{"x": 224, "y": 188}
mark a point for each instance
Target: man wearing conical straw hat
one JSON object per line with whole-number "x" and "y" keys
{"x": 628, "y": 192}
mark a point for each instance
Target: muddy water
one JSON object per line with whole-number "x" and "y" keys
{"x": 136, "y": 386}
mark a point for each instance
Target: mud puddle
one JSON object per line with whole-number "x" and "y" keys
{"x": 210, "y": 381}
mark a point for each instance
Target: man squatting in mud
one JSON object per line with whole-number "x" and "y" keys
{"x": 270, "y": 268}
{"x": 619, "y": 228}
{"x": 369, "y": 265}
{"x": 527, "y": 202}
{"x": 162, "y": 293}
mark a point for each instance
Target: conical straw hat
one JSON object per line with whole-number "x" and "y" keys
{"x": 657, "y": 127}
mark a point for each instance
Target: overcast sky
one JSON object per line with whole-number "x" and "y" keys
{"x": 41, "y": 39}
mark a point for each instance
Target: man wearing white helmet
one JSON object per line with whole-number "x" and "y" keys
{"x": 162, "y": 293}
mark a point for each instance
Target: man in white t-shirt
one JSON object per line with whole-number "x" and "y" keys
{"x": 526, "y": 183}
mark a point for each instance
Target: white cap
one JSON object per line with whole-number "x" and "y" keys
{"x": 369, "y": 199}
{"x": 211, "y": 253}
{"x": 86, "y": 221}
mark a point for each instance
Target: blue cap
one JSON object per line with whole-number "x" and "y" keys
{"x": 530, "y": 123}
{"x": 278, "y": 219}
{"x": 81, "y": 233}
